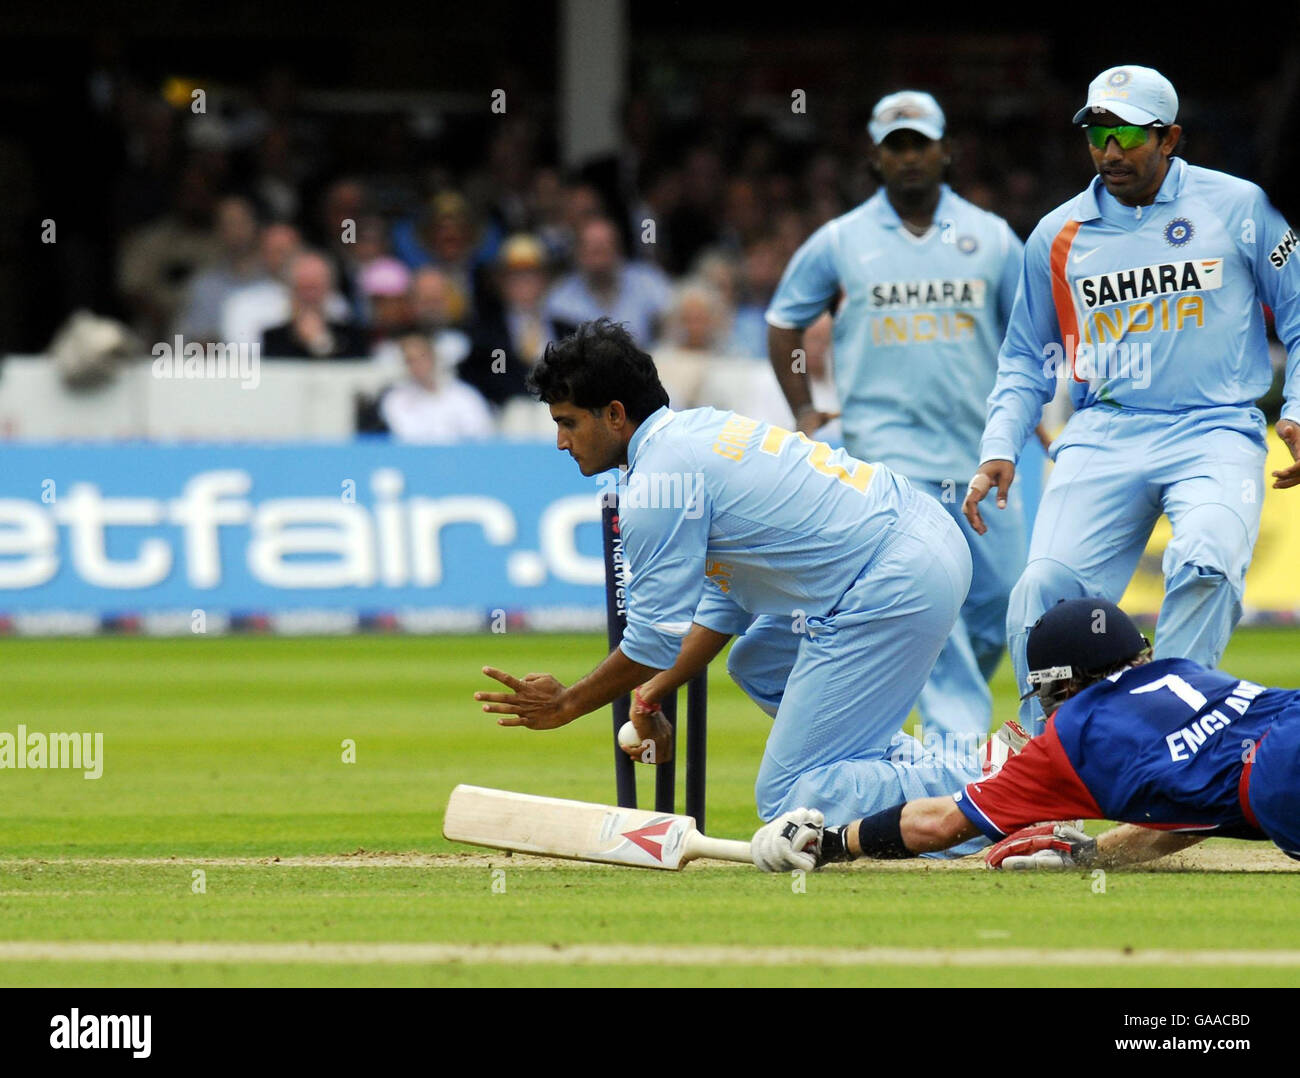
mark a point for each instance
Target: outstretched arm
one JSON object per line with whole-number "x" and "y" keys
{"x": 540, "y": 702}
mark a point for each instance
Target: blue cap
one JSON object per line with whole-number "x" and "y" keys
{"x": 907, "y": 110}
{"x": 1078, "y": 637}
{"x": 1137, "y": 95}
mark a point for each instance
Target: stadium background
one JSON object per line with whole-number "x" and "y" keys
{"x": 441, "y": 137}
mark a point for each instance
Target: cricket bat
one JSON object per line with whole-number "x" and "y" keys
{"x": 579, "y": 830}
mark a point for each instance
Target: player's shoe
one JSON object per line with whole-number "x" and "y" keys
{"x": 1003, "y": 745}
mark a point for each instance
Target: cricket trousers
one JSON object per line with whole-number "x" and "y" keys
{"x": 841, "y": 686}
{"x": 1116, "y": 471}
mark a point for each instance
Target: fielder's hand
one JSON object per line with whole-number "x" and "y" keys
{"x": 1049, "y": 845}
{"x": 1290, "y": 475}
{"x": 992, "y": 473}
{"x": 535, "y": 702}
{"x": 810, "y": 420}
{"x": 654, "y": 730}
{"x": 793, "y": 840}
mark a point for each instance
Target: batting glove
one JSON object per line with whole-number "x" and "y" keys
{"x": 791, "y": 841}
{"x": 1049, "y": 845}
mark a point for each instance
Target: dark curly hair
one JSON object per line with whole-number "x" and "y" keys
{"x": 598, "y": 363}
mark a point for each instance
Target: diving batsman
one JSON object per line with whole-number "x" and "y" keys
{"x": 1177, "y": 751}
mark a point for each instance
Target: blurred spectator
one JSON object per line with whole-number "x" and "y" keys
{"x": 719, "y": 270}
{"x": 250, "y": 311}
{"x": 239, "y": 263}
{"x": 581, "y": 203}
{"x": 386, "y": 286}
{"x": 343, "y": 205}
{"x": 433, "y": 297}
{"x": 546, "y": 211}
{"x": 309, "y": 333}
{"x": 158, "y": 259}
{"x": 695, "y": 334}
{"x": 509, "y": 338}
{"x": 444, "y": 237}
{"x": 430, "y": 405}
{"x": 604, "y": 285}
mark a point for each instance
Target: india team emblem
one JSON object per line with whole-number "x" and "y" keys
{"x": 1118, "y": 78}
{"x": 967, "y": 245}
{"x": 1178, "y": 232}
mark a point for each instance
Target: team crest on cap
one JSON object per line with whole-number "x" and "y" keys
{"x": 1118, "y": 78}
{"x": 967, "y": 245}
{"x": 1178, "y": 232}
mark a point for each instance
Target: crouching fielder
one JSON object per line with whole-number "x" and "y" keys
{"x": 1183, "y": 751}
{"x": 844, "y": 580}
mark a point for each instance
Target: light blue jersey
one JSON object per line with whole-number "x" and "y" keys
{"x": 1153, "y": 315}
{"x": 1153, "y": 308}
{"x": 917, "y": 335}
{"x": 841, "y": 578}
{"x": 776, "y": 523}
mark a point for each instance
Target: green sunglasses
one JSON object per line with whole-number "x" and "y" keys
{"x": 1127, "y": 136}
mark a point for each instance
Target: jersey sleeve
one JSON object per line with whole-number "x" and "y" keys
{"x": 719, "y": 612}
{"x": 1275, "y": 262}
{"x": 1026, "y": 377}
{"x": 809, "y": 283}
{"x": 665, "y": 548}
{"x": 1034, "y": 786}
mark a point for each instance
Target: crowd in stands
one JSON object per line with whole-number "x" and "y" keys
{"x": 453, "y": 272}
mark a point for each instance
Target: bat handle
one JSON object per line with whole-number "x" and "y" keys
{"x": 718, "y": 849}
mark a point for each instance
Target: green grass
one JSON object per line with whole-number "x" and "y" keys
{"x": 232, "y": 748}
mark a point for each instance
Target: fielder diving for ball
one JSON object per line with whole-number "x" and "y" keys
{"x": 1181, "y": 751}
{"x": 725, "y": 519}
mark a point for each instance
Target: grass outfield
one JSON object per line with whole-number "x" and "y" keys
{"x": 229, "y": 843}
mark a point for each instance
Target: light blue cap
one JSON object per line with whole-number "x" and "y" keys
{"x": 1137, "y": 95}
{"x": 907, "y": 110}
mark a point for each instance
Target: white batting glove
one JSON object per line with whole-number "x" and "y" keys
{"x": 793, "y": 840}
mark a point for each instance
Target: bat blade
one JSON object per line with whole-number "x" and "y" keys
{"x": 579, "y": 830}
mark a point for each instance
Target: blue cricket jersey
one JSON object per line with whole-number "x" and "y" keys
{"x": 916, "y": 337}
{"x": 1163, "y": 744}
{"x": 724, "y": 517}
{"x": 1152, "y": 308}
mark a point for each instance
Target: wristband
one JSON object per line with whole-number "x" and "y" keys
{"x": 881, "y": 835}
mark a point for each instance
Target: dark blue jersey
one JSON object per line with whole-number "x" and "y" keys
{"x": 1163, "y": 744}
